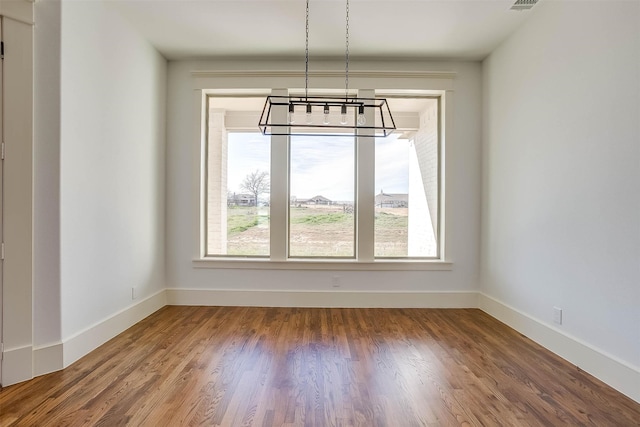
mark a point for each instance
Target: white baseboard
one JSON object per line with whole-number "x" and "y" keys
{"x": 24, "y": 363}
{"x": 17, "y": 365}
{"x": 91, "y": 338}
{"x": 607, "y": 368}
{"x": 256, "y": 298}
{"x": 47, "y": 359}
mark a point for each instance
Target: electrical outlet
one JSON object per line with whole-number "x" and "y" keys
{"x": 134, "y": 293}
{"x": 335, "y": 281}
{"x": 557, "y": 315}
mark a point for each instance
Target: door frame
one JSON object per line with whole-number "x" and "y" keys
{"x": 17, "y": 271}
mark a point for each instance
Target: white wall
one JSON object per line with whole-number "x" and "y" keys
{"x": 182, "y": 192}
{"x": 113, "y": 86}
{"x": 46, "y": 188}
{"x": 561, "y": 178}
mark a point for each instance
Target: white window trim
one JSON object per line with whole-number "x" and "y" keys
{"x": 206, "y": 81}
{"x": 322, "y": 264}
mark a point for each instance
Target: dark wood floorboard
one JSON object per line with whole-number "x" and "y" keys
{"x": 248, "y": 366}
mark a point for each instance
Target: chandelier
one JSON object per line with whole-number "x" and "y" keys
{"x": 325, "y": 115}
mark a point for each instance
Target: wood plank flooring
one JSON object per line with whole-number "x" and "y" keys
{"x": 247, "y": 366}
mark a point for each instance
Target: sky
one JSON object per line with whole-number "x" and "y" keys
{"x": 320, "y": 165}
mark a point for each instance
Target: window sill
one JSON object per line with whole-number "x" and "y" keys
{"x": 342, "y": 265}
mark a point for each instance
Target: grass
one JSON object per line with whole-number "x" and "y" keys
{"x": 241, "y": 219}
{"x": 242, "y": 224}
{"x": 315, "y": 231}
{"x": 390, "y": 221}
{"x": 322, "y": 218}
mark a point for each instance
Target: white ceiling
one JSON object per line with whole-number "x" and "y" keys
{"x": 447, "y": 29}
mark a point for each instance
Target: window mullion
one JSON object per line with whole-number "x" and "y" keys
{"x": 279, "y": 197}
{"x": 365, "y": 186}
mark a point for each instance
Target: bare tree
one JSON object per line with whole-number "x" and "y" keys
{"x": 256, "y": 183}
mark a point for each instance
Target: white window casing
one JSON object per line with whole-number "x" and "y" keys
{"x": 228, "y": 83}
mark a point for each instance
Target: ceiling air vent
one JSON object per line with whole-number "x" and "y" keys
{"x": 523, "y": 4}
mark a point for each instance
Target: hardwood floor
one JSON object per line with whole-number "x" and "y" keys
{"x": 242, "y": 366}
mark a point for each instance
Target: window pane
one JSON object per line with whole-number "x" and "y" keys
{"x": 322, "y": 183}
{"x": 238, "y": 192}
{"x": 406, "y": 213}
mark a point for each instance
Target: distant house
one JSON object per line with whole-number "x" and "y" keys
{"x": 392, "y": 200}
{"x": 241, "y": 200}
{"x": 319, "y": 200}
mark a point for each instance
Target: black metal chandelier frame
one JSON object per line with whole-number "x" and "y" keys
{"x": 350, "y": 109}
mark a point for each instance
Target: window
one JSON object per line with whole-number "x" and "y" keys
{"x": 407, "y": 189}
{"x": 329, "y": 212}
{"x": 238, "y": 217}
{"x": 322, "y": 188}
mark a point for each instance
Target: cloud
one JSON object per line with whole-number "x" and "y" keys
{"x": 246, "y": 152}
{"x": 320, "y": 165}
{"x": 323, "y": 166}
{"x": 392, "y": 165}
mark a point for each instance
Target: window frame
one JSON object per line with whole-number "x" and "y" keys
{"x": 355, "y": 204}
{"x": 398, "y": 83}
